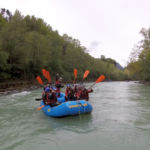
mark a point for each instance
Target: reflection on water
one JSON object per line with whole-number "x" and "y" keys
{"x": 120, "y": 120}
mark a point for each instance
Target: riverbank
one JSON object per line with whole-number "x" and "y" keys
{"x": 9, "y": 87}
{"x": 17, "y": 86}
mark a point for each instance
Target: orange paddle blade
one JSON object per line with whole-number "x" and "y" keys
{"x": 100, "y": 79}
{"x": 38, "y": 78}
{"x": 44, "y": 73}
{"x": 39, "y": 108}
{"x": 48, "y": 76}
{"x": 75, "y": 73}
{"x": 86, "y": 74}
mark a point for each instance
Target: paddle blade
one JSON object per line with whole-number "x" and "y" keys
{"x": 38, "y": 78}
{"x": 75, "y": 73}
{"x": 38, "y": 99}
{"x": 39, "y": 108}
{"x": 86, "y": 74}
{"x": 100, "y": 79}
{"x": 48, "y": 76}
{"x": 44, "y": 73}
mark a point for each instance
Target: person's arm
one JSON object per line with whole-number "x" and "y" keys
{"x": 90, "y": 90}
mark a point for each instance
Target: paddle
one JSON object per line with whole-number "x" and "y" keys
{"x": 46, "y": 74}
{"x": 86, "y": 74}
{"x": 99, "y": 79}
{"x": 38, "y": 78}
{"x": 75, "y": 75}
{"x": 39, "y": 108}
{"x": 38, "y": 99}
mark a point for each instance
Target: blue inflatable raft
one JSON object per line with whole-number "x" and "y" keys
{"x": 68, "y": 108}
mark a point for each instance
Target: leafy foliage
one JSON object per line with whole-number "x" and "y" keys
{"x": 28, "y": 44}
{"x": 139, "y": 68}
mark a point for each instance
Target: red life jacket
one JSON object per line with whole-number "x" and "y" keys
{"x": 58, "y": 82}
{"x": 58, "y": 85}
{"x": 78, "y": 94}
{"x": 51, "y": 99}
{"x": 85, "y": 94}
{"x": 66, "y": 92}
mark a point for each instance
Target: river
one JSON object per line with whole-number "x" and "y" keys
{"x": 120, "y": 120}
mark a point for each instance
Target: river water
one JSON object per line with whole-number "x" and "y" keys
{"x": 120, "y": 120}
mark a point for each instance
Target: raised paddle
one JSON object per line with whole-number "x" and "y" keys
{"x": 99, "y": 79}
{"x": 46, "y": 74}
{"x": 86, "y": 74}
{"x": 75, "y": 75}
{"x": 38, "y": 78}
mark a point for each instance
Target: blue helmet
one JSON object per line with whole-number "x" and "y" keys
{"x": 68, "y": 85}
{"x": 47, "y": 89}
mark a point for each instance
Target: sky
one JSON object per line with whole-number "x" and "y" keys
{"x": 105, "y": 27}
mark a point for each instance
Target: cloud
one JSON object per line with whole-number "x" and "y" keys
{"x": 93, "y": 45}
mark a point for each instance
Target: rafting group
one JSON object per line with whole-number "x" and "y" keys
{"x": 74, "y": 101}
{"x": 72, "y": 93}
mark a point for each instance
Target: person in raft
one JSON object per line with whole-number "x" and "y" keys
{"x": 79, "y": 92}
{"x": 84, "y": 94}
{"x": 58, "y": 84}
{"x": 49, "y": 97}
{"x": 69, "y": 93}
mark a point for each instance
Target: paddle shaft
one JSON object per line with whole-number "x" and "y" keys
{"x": 39, "y": 108}
{"x": 92, "y": 85}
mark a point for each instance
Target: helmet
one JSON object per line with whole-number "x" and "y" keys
{"x": 68, "y": 85}
{"x": 47, "y": 89}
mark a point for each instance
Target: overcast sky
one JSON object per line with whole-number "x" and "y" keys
{"x": 104, "y": 27}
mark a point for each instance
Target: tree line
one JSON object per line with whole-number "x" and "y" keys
{"x": 28, "y": 44}
{"x": 138, "y": 67}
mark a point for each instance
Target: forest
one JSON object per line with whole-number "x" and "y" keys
{"x": 138, "y": 67}
{"x": 28, "y": 44}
